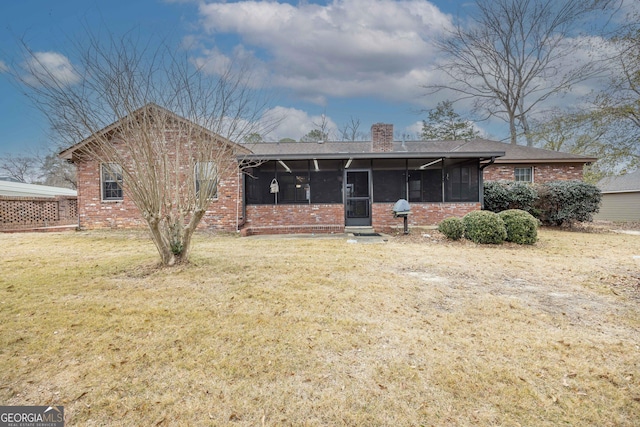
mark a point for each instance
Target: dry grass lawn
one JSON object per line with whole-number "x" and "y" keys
{"x": 321, "y": 332}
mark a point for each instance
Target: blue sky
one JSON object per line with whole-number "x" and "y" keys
{"x": 347, "y": 59}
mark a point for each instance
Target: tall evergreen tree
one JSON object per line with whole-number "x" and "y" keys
{"x": 445, "y": 124}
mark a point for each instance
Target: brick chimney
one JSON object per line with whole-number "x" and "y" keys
{"x": 382, "y": 137}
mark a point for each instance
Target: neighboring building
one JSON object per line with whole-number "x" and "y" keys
{"x": 620, "y": 198}
{"x": 28, "y": 206}
{"x": 327, "y": 186}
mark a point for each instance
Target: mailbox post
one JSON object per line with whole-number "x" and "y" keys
{"x": 402, "y": 209}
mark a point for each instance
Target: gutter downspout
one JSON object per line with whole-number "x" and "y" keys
{"x": 481, "y": 179}
{"x": 240, "y": 203}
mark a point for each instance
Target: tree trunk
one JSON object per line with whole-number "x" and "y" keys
{"x": 173, "y": 240}
{"x": 512, "y": 129}
{"x": 167, "y": 257}
{"x": 527, "y": 131}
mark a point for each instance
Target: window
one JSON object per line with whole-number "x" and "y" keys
{"x": 524, "y": 174}
{"x": 206, "y": 179}
{"x": 111, "y": 181}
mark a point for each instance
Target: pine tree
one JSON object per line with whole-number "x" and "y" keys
{"x": 445, "y": 124}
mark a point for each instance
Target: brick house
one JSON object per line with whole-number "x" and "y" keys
{"x": 284, "y": 187}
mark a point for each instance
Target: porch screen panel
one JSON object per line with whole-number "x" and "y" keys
{"x": 425, "y": 186}
{"x": 415, "y": 186}
{"x": 326, "y": 181}
{"x": 462, "y": 183}
{"x": 293, "y": 181}
{"x": 432, "y": 185}
{"x": 258, "y": 186}
{"x": 326, "y": 187}
{"x": 389, "y": 185}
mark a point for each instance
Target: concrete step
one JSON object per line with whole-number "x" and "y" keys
{"x": 362, "y": 230}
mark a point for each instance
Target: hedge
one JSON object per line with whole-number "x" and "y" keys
{"x": 566, "y": 202}
{"x": 503, "y": 195}
{"x": 452, "y": 228}
{"x": 484, "y": 227}
{"x": 522, "y": 227}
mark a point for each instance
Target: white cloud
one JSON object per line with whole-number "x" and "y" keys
{"x": 295, "y": 123}
{"x": 212, "y": 61}
{"x": 414, "y": 131}
{"x": 240, "y": 61}
{"x": 345, "y": 48}
{"x": 50, "y": 68}
{"x": 3, "y": 67}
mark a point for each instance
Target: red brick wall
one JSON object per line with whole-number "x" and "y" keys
{"x": 421, "y": 214}
{"x": 223, "y": 213}
{"x": 92, "y": 211}
{"x": 329, "y": 218}
{"x": 541, "y": 172}
{"x": 294, "y": 218}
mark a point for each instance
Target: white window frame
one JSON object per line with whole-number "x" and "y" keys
{"x": 515, "y": 173}
{"x": 107, "y": 170}
{"x": 197, "y": 180}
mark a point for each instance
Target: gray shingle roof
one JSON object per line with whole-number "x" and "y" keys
{"x": 624, "y": 183}
{"x": 483, "y": 148}
{"x": 20, "y": 189}
{"x": 364, "y": 149}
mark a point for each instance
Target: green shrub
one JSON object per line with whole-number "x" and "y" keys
{"x": 565, "y": 202}
{"x": 503, "y": 195}
{"x": 452, "y": 228}
{"x": 484, "y": 227}
{"x": 522, "y": 227}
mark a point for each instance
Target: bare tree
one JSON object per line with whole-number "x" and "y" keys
{"x": 39, "y": 166}
{"x": 57, "y": 172}
{"x": 350, "y": 131}
{"x": 622, "y": 98}
{"x": 322, "y": 127}
{"x": 156, "y": 124}
{"x": 22, "y": 168}
{"x": 581, "y": 132}
{"x": 513, "y": 56}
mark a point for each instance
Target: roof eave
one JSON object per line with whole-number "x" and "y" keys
{"x": 637, "y": 190}
{"x": 565, "y": 160}
{"x": 484, "y": 155}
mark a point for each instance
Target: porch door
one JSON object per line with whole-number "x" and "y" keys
{"x": 357, "y": 198}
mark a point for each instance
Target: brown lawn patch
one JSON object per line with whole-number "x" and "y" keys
{"x": 319, "y": 332}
